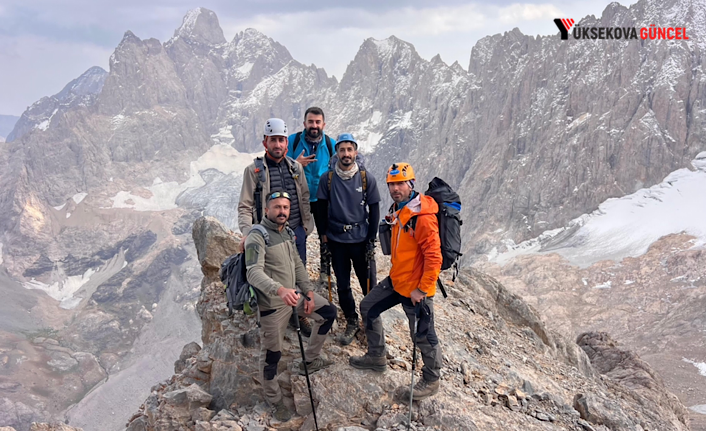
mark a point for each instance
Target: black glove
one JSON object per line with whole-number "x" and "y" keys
{"x": 324, "y": 251}
{"x": 325, "y": 258}
{"x": 370, "y": 250}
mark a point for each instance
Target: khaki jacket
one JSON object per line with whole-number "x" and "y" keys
{"x": 272, "y": 266}
{"x": 246, "y": 205}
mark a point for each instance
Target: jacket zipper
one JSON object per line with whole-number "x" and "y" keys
{"x": 399, "y": 232}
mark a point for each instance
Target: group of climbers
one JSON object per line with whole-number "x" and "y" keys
{"x": 306, "y": 180}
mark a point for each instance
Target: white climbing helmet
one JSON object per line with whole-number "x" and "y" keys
{"x": 276, "y": 127}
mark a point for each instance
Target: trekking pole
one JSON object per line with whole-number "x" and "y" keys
{"x": 328, "y": 272}
{"x": 417, "y": 311}
{"x": 306, "y": 370}
{"x": 367, "y": 290}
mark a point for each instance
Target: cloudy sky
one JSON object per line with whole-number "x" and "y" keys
{"x": 44, "y": 44}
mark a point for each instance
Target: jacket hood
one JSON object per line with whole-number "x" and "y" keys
{"x": 419, "y": 205}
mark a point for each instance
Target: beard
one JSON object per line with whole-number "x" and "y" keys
{"x": 313, "y": 133}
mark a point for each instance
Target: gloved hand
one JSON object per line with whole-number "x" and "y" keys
{"x": 370, "y": 250}
{"x": 325, "y": 258}
{"x": 324, "y": 251}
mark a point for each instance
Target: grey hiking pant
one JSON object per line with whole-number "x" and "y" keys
{"x": 273, "y": 326}
{"x": 383, "y": 297}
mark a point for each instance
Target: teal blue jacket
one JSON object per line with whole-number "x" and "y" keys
{"x": 313, "y": 171}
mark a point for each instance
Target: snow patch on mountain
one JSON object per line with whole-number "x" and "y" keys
{"x": 78, "y": 197}
{"x": 220, "y": 157}
{"x": 63, "y": 289}
{"x": 0, "y": 253}
{"x": 701, "y": 366}
{"x": 627, "y": 226}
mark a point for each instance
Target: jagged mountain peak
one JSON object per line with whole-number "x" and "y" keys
{"x": 456, "y": 66}
{"x": 129, "y": 37}
{"x": 200, "y": 25}
{"x": 250, "y": 44}
{"x": 385, "y": 48}
{"x": 90, "y": 82}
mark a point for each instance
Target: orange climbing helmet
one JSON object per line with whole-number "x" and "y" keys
{"x": 400, "y": 172}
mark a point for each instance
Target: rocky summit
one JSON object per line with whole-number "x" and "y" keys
{"x": 503, "y": 369}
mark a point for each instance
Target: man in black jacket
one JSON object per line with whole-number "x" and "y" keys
{"x": 350, "y": 197}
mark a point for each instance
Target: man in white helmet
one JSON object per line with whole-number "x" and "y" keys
{"x": 276, "y": 171}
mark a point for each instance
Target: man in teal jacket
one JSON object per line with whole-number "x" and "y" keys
{"x": 313, "y": 149}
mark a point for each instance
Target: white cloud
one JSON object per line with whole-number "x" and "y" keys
{"x": 516, "y": 13}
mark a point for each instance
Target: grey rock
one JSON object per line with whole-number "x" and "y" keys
{"x": 542, "y": 416}
{"x": 187, "y": 352}
{"x": 214, "y": 242}
{"x": 193, "y": 396}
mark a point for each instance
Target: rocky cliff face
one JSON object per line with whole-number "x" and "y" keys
{"x": 553, "y": 148}
{"x": 503, "y": 368}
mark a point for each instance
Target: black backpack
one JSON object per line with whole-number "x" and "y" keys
{"x": 239, "y": 293}
{"x": 449, "y": 218}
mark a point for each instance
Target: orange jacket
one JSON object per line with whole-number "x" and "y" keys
{"x": 416, "y": 254}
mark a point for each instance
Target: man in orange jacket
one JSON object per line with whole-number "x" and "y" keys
{"x": 416, "y": 264}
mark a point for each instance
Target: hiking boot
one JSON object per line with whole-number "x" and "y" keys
{"x": 368, "y": 362}
{"x": 315, "y": 365}
{"x": 423, "y": 389}
{"x": 282, "y": 413}
{"x": 303, "y": 324}
{"x": 351, "y": 329}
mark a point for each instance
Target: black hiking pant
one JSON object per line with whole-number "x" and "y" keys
{"x": 383, "y": 297}
{"x": 342, "y": 254}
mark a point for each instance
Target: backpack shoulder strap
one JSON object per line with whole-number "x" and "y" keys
{"x": 364, "y": 179}
{"x": 290, "y": 232}
{"x": 293, "y": 169}
{"x": 260, "y": 169}
{"x": 330, "y": 178}
{"x": 262, "y": 231}
{"x": 297, "y": 138}
{"x": 329, "y": 145}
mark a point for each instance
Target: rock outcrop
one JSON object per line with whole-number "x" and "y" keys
{"x": 503, "y": 369}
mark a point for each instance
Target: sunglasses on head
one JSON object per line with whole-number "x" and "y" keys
{"x": 277, "y": 195}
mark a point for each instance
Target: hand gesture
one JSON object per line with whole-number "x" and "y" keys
{"x": 305, "y": 160}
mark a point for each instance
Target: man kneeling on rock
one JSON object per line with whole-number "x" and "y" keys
{"x": 275, "y": 270}
{"x": 416, "y": 264}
